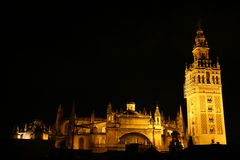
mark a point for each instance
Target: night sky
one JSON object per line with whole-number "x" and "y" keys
{"x": 95, "y": 53}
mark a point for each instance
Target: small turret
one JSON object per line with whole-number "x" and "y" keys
{"x": 110, "y": 115}
{"x": 93, "y": 116}
{"x": 157, "y": 116}
{"x": 25, "y": 127}
{"x": 109, "y": 108}
{"x": 59, "y": 119}
{"x": 144, "y": 112}
{"x": 180, "y": 121}
{"x": 131, "y": 106}
{"x": 71, "y": 128}
{"x": 200, "y": 40}
{"x": 218, "y": 64}
{"x": 200, "y": 49}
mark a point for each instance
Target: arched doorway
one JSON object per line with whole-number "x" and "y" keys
{"x": 134, "y": 138}
{"x": 81, "y": 143}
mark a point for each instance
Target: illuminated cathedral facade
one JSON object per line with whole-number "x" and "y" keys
{"x": 205, "y": 115}
{"x": 118, "y": 129}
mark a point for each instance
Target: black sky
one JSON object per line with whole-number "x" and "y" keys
{"x": 94, "y": 53}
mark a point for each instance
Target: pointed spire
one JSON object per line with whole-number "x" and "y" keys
{"x": 218, "y": 65}
{"x": 73, "y": 113}
{"x": 144, "y": 112}
{"x": 93, "y": 116}
{"x": 200, "y": 40}
{"x": 157, "y": 112}
{"x": 217, "y": 59}
{"x": 200, "y": 49}
{"x": 70, "y": 135}
{"x": 199, "y": 24}
{"x": 25, "y": 127}
{"x": 157, "y": 116}
{"x": 59, "y": 112}
{"x": 110, "y": 114}
{"x": 180, "y": 112}
{"x": 180, "y": 121}
{"x": 169, "y": 119}
{"x": 59, "y": 118}
{"x": 59, "y": 108}
{"x": 109, "y": 108}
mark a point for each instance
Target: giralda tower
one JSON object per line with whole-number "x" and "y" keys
{"x": 203, "y": 93}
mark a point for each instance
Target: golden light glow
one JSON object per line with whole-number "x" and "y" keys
{"x": 45, "y": 136}
{"x": 205, "y": 116}
{"x": 203, "y": 91}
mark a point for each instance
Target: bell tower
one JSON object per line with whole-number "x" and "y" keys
{"x": 203, "y": 93}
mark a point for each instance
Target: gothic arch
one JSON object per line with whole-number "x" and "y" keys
{"x": 134, "y": 137}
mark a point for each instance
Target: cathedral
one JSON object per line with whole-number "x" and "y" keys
{"x": 118, "y": 129}
{"x": 205, "y": 115}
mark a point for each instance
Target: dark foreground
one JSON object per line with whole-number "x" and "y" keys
{"x": 44, "y": 150}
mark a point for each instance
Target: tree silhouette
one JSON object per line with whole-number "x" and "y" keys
{"x": 175, "y": 144}
{"x": 38, "y": 132}
{"x": 37, "y": 128}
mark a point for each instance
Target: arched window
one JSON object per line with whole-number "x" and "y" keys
{"x": 208, "y": 77}
{"x": 210, "y": 117}
{"x": 211, "y": 129}
{"x": 217, "y": 80}
{"x": 199, "y": 80}
{"x": 213, "y": 79}
{"x": 203, "y": 79}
